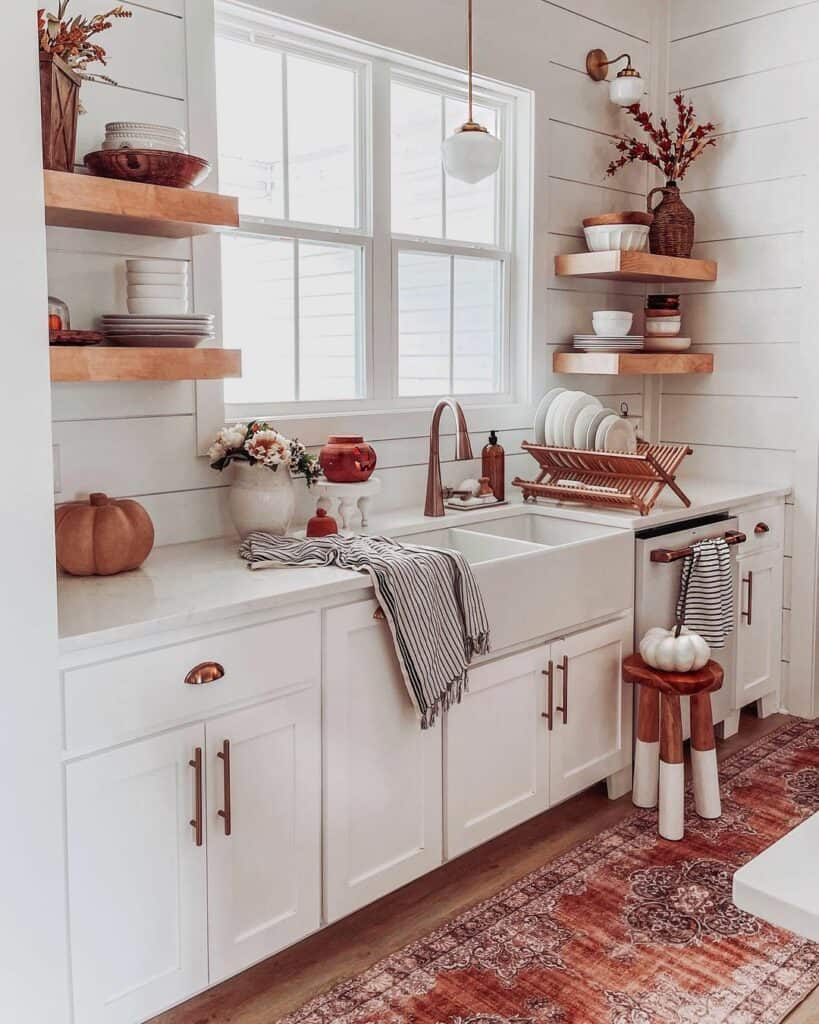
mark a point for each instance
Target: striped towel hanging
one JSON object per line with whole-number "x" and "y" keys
{"x": 429, "y": 597}
{"x": 706, "y": 601}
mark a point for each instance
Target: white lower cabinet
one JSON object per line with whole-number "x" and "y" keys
{"x": 382, "y": 772}
{"x": 264, "y": 820}
{"x": 759, "y": 626}
{"x": 495, "y": 750}
{"x": 591, "y": 737}
{"x": 137, "y": 879}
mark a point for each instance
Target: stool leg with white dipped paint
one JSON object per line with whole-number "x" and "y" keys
{"x": 647, "y": 749}
{"x": 704, "y": 758}
{"x": 672, "y": 769}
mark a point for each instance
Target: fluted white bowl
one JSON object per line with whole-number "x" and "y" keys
{"x": 605, "y": 237}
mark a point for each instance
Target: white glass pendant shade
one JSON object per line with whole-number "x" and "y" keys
{"x": 471, "y": 154}
{"x": 626, "y": 88}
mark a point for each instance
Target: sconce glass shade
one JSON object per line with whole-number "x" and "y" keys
{"x": 626, "y": 88}
{"x": 471, "y": 154}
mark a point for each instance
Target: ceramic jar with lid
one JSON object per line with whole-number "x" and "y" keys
{"x": 347, "y": 459}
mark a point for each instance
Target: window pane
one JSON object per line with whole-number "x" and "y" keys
{"x": 423, "y": 323}
{"x": 329, "y": 321}
{"x": 470, "y": 209}
{"x": 478, "y": 301}
{"x": 250, "y": 134}
{"x": 321, "y": 120}
{"x": 258, "y": 315}
{"x": 417, "y": 176}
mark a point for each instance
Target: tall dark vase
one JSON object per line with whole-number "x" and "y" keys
{"x": 672, "y": 231}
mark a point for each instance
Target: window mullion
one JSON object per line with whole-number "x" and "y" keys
{"x": 285, "y": 143}
{"x": 296, "y": 322}
{"x": 383, "y": 356}
{"x": 443, "y": 170}
{"x": 452, "y": 325}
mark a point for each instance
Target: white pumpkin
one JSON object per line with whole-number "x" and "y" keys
{"x": 671, "y": 650}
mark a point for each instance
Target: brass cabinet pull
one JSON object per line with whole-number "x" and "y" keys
{"x": 564, "y": 709}
{"x": 379, "y": 614}
{"x": 196, "y": 820}
{"x": 761, "y": 528}
{"x": 224, "y": 753}
{"x": 205, "y": 672}
{"x": 550, "y": 676}
{"x": 749, "y": 579}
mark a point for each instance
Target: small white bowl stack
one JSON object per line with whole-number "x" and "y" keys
{"x": 142, "y": 135}
{"x": 157, "y": 287}
{"x": 611, "y": 327}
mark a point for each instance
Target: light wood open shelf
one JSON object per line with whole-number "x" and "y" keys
{"x": 104, "y": 204}
{"x": 100, "y": 363}
{"x": 633, "y": 266}
{"x": 625, "y": 363}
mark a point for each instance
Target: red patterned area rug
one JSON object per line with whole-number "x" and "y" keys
{"x": 625, "y": 929}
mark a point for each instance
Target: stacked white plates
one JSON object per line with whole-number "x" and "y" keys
{"x": 157, "y": 287}
{"x": 142, "y": 135}
{"x": 596, "y": 343}
{"x": 158, "y": 331}
{"x": 573, "y": 419}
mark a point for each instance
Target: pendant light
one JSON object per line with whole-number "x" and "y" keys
{"x": 471, "y": 154}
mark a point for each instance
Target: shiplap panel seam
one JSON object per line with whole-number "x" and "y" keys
{"x": 607, "y": 188}
{"x": 596, "y": 21}
{"x": 743, "y": 21}
{"x": 743, "y": 184}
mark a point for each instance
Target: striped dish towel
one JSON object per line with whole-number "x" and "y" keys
{"x": 706, "y": 601}
{"x": 429, "y": 598}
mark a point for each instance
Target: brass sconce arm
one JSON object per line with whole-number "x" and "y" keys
{"x": 597, "y": 64}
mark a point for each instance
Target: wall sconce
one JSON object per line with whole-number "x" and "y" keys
{"x": 626, "y": 88}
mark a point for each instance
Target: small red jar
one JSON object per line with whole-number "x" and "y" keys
{"x": 321, "y": 525}
{"x": 347, "y": 459}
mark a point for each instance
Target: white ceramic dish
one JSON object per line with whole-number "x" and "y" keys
{"x": 142, "y": 126}
{"x": 136, "y": 142}
{"x": 605, "y": 237}
{"x": 594, "y": 425}
{"x": 156, "y": 266}
{"x": 554, "y": 417}
{"x": 157, "y": 291}
{"x": 582, "y": 424}
{"x": 677, "y": 344}
{"x": 612, "y": 323}
{"x": 542, "y": 410}
{"x": 131, "y": 319}
{"x": 581, "y": 402}
{"x": 157, "y": 305}
{"x": 175, "y": 280}
{"x": 616, "y": 434}
{"x": 663, "y": 326}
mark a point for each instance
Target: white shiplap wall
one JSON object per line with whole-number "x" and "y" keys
{"x": 139, "y": 439}
{"x": 747, "y": 66}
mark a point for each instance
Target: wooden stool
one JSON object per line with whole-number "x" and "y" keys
{"x": 658, "y": 756}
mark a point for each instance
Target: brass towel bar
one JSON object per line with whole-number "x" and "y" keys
{"x": 675, "y": 554}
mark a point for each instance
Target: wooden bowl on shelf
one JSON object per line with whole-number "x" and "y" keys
{"x": 149, "y": 166}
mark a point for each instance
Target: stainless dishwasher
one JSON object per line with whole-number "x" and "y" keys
{"x": 657, "y": 586}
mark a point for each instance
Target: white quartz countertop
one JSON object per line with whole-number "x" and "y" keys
{"x": 188, "y": 584}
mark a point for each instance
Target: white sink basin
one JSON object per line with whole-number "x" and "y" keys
{"x": 541, "y": 575}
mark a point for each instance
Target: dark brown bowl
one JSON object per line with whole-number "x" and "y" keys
{"x": 150, "y": 166}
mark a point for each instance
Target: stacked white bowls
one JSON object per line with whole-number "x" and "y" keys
{"x": 142, "y": 135}
{"x": 157, "y": 286}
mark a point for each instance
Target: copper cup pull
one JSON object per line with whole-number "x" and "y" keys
{"x": 564, "y": 708}
{"x": 205, "y": 672}
{"x": 550, "y": 676}
{"x": 196, "y": 820}
{"x": 378, "y": 614}
{"x": 761, "y": 528}
{"x": 224, "y": 753}
{"x": 749, "y": 579}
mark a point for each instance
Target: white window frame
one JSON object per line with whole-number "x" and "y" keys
{"x": 387, "y": 413}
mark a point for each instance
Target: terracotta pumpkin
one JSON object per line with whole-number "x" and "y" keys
{"x": 102, "y": 536}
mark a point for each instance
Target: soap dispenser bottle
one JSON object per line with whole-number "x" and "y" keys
{"x": 492, "y": 465}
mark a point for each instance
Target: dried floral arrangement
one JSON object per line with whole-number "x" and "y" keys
{"x": 70, "y": 39}
{"x": 258, "y": 443}
{"x": 672, "y": 153}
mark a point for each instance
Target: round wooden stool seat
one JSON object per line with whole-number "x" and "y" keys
{"x": 684, "y": 684}
{"x": 659, "y": 773}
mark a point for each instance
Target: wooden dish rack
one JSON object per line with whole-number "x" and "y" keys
{"x": 617, "y": 479}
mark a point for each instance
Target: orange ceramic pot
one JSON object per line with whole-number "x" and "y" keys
{"x": 347, "y": 459}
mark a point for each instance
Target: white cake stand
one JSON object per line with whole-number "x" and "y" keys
{"x": 348, "y": 497}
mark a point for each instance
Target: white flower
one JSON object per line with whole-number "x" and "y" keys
{"x": 232, "y": 437}
{"x": 266, "y": 446}
{"x": 216, "y": 451}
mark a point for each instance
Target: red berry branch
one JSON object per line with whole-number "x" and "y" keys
{"x": 672, "y": 153}
{"x": 70, "y": 38}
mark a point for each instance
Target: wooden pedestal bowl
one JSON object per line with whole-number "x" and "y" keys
{"x": 149, "y": 166}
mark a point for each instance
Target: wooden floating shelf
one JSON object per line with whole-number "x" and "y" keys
{"x": 105, "y": 204}
{"x": 632, "y": 363}
{"x": 109, "y": 364}
{"x": 633, "y": 266}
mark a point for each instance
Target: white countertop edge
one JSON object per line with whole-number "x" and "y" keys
{"x": 162, "y": 596}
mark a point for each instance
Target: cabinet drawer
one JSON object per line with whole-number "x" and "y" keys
{"x": 772, "y": 516}
{"x": 131, "y": 696}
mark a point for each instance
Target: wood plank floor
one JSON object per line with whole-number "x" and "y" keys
{"x": 263, "y": 994}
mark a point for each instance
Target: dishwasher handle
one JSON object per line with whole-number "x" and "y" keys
{"x": 665, "y": 555}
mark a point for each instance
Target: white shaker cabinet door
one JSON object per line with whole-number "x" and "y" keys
{"x": 136, "y": 877}
{"x": 264, "y": 829}
{"x": 759, "y": 626}
{"x": 495, "y": 750}
{"x": 382, "y": 772}
{"x": 592, "y": 731}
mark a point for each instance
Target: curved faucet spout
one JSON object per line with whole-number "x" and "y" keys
{"x": 434, "y": 504}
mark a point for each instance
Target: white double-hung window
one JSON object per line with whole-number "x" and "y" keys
{"x": 362, "y": 277}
